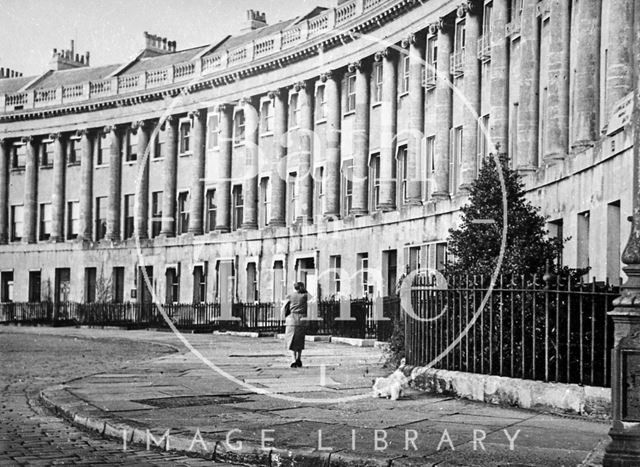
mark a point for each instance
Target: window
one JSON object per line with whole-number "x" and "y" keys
{"x": 17, "y": 222}
{"x": 213, "y": 127}
{"x": 334, "y": 266}
{"x": 377, "y": 74}
{"x": 210, "y": 221}
{"x": 403, "y": 171}
{"x": 185, "y": 137}
{"x": 613, "y": 241}
{"x": 347, "y": 187}
{"x": 102, "y": 150}
{"x": 73, "y": 152}
{"x": 6, "y": 286}
{"x": 46, "y": 154}
{"x": 225, "y": 281}
{"x": 483, "y": 141}
{"x": 128, "y": 216}
{"x": 45, "y": 221}
{"x": 351, "y": 93}
{"x": 19, "y": 156}
{"x": 291, "y": 197}
{"x": 583, "y": 239}
{"x": 515, "y": 12}
{"x": 237, "y": 205}
{"x": 415, "y": 258}
{"x": 199, "y": 284}
{"x": 252, "y": 283}
{"x": 266, "y": 116}
{"x": 374, "y": 181}
{"x": 363, "y": 274}
{"x": 35, "y": 286}
{"x": 156, "y": 213}
{"x": 486, "y": 19}
{"x": 460, "y": 37}
{"x": 132, "y": 146}
{"x": 183, "y": 212}
{"x": 73, "y": 219}
{"x": 318, "y": 207}
{"x": 432, "y": 60}
{"x": 101, "y": 218}
{"x": 430, "y": 166}
{"x": 89, "y": 285}
{"x": 294, "y": 111}
{"x": 238, "y": 127}
{"x": 455, "y": 158}
{"x": 159, "y": 144}
{"x": 321, "y": 103}
{"x": 173, "y": 284}
{"x": 404, "y": 83}
{"x": 556, "y": 229}
{"x": 513, "y": 134}
{"x": 265, "y": 201}
{"x": 279, "y": 285}
{"x": 118, "y": 284}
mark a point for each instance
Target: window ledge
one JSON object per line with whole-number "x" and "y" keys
{"x": 156, "y": 159}
{"x": 102, "y": 166}
{"x": 47, "y": 167}
{"x": 350, "y": 112}
{"x": 266, "y": 133}
{"x": 17, "y": 169}
{"x": 376, "y": 104}
{"x": 237, "y": 145}
{"x": 72, "y": 164}
{"x": 185, "y": 154}
{"x": 322, "y": 120}
{"x": 403, "y": 94}
{"x": 130, "y": 162}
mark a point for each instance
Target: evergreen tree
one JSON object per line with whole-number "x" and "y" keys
{"x": 474, "y": 246}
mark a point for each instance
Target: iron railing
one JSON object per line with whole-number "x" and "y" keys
{"x": 527, "y": 328}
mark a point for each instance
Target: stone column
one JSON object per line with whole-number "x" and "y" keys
{"x": 58, "y": 190}
{"x": 223, "y": 187}
{"x": 250, "y": 183}
{"x": 471, "y": 83}
{"x": 624, "y": 449}
{"x": 527, "y": 158}
{"x": 142, "y": 180}
{"x": 587, "y": 74}
{"x": 86, "y": 189}
{"x": 115, "y": 183}
{"x": 388, "y": 127}
{"x": 31, "y": 190}
{"x": 278, "y": 168}
{"x": 360, "y": 139}
{"x": 444, "y": 110}
{"x": 305, "y": 141}
{"x": 170, "y": 183}
{"x": 499, "y": 76}
{"x": 416, "y": 119}
{"x": 620, "y": 57}
{"x": 332, "y": 155}
{"x": 557, "y": 127}
{"x": 196, "y": 210}
{"x": 4, "y": 190}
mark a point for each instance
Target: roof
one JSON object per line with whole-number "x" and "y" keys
{"x": 53, "y": 79}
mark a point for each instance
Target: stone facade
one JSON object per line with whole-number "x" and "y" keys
{"x": 318, "y": 145}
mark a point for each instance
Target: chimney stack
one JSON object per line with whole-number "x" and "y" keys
{"x": 255, "y": 20}
{"x": 9, "y": 73}
{"x": 65, "y": 59}
{"x": 156, "y": 45}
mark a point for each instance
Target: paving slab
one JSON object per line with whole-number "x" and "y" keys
{"x": 281, "y": 414}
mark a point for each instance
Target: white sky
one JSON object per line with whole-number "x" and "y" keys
{"x": 112, "y": 30}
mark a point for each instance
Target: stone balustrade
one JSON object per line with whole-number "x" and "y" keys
{"x": 331, "y": 21}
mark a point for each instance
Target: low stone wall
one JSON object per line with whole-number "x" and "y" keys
{"x": 589, "y": 401}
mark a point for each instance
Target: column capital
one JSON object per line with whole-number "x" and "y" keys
{"x": 139, "y": 124}
{"x": 170, "y": 120}
{"x": 327, "y": 75}
{"x": 28, "y": 139}
{"x": 381, "y": 54}
{"x": 83, "y": 132}
{"x": 300, "y": 85}
{"x": 407, "y": 41}
{"x": 108, "y": 129}
{"x": 466, "y": 8}
{"x": 355, "y": 66}
{"x": 274, "y": 94}
{"x": 223, "y": 108}
{"x": 55, "y": 136}
{"x": 444, "y": 25}
{"x": 196, "y": 114}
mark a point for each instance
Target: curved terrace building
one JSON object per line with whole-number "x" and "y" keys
{"x": 345, "y": 138}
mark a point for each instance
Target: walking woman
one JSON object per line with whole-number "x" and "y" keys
{"x": 295, "y": 308}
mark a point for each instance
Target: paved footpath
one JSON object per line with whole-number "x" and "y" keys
{"x": 244, "y": 397}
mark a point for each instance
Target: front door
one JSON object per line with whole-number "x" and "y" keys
{"x": 144, "y": 292}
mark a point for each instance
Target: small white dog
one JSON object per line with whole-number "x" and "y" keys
{"x": 392, "y": 386}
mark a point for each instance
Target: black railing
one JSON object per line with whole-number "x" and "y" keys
{"x": 524, "y": 328}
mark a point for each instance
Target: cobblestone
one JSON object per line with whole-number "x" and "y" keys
{"x": 30, "y": 435}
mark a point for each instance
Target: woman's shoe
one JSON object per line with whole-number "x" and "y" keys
{"x": 295, "y": 364}
{"x": 298, "y": 363}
